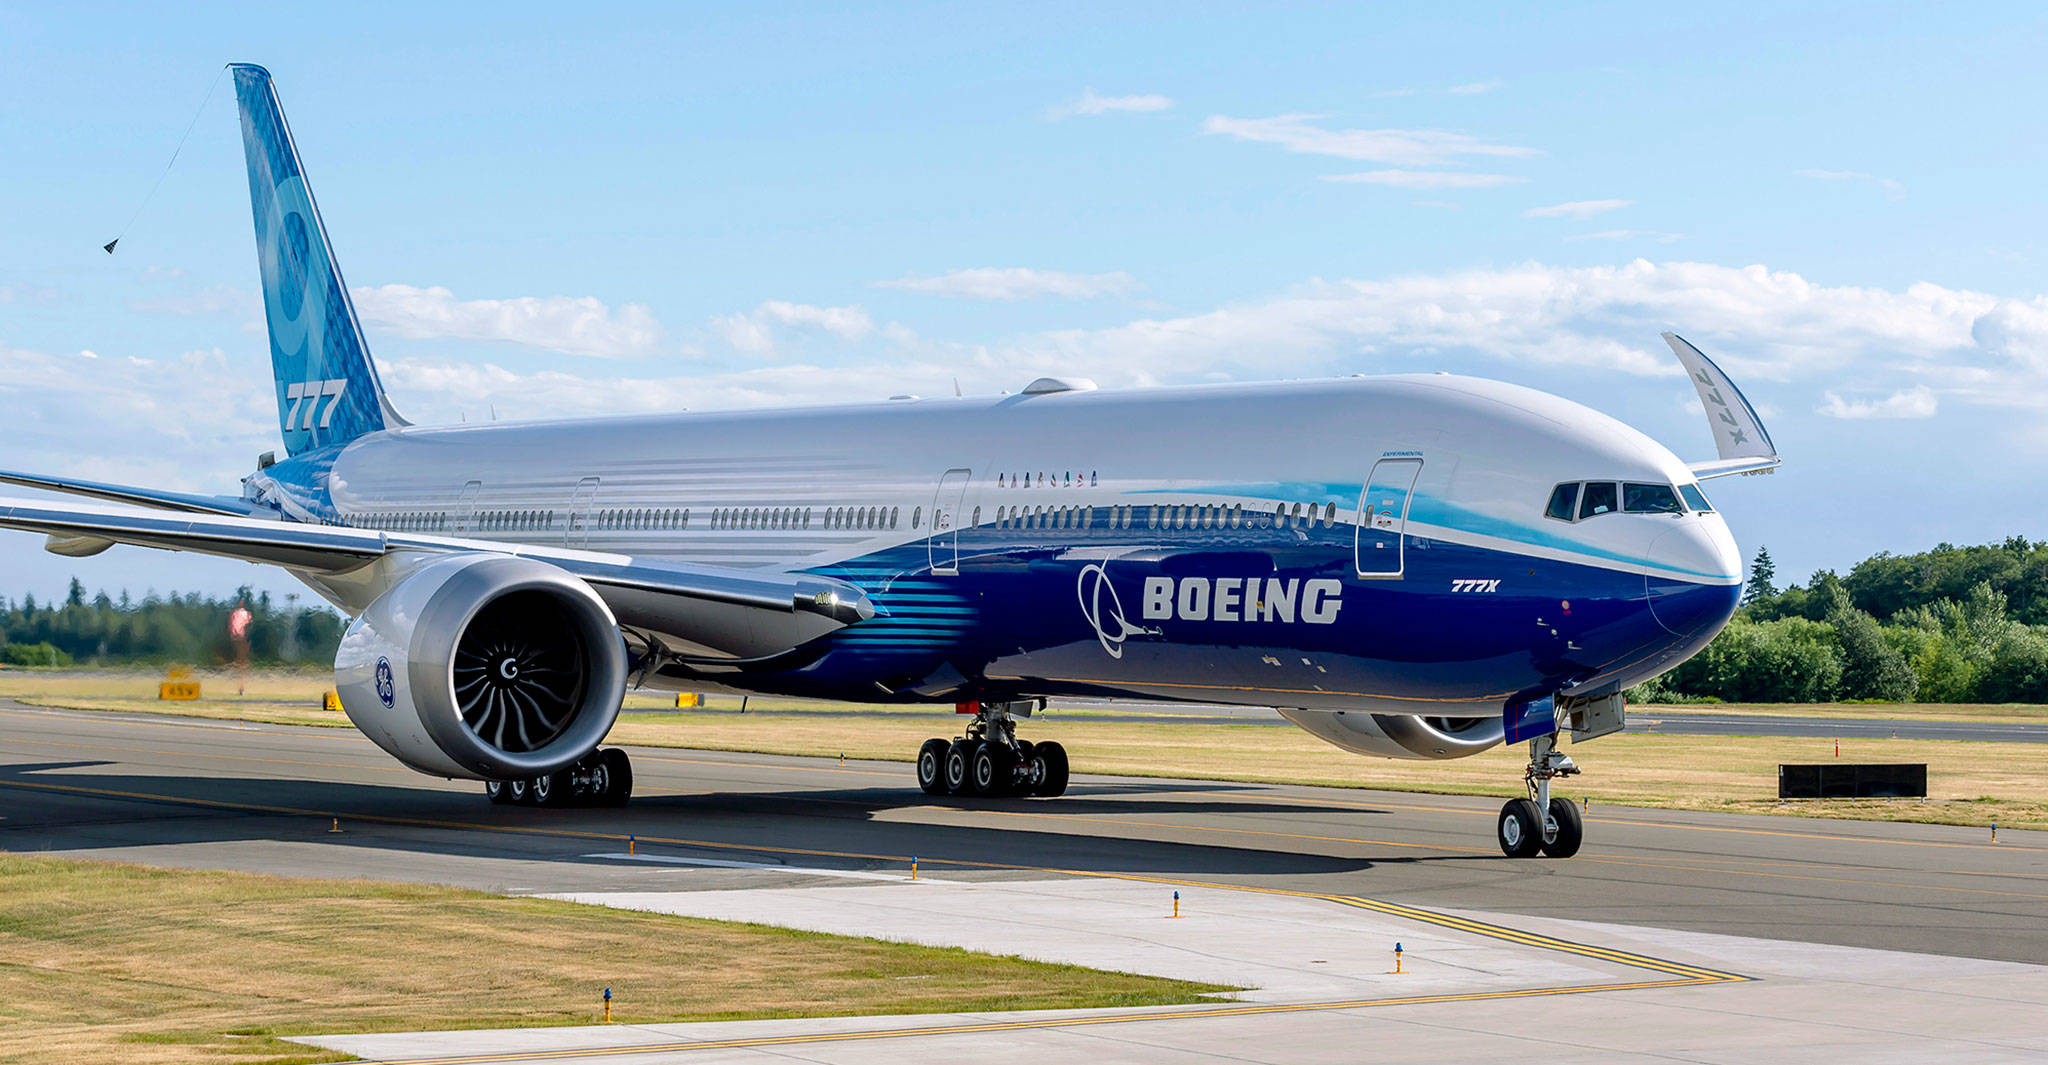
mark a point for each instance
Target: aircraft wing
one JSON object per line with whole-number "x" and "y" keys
{"x": 1739, "y": 435}
{"x": 738, "y": 612}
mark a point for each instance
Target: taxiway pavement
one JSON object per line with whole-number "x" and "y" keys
{"x": 210, "y": 794}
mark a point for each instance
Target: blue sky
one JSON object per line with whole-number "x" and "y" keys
{"x": 568, "y": 209}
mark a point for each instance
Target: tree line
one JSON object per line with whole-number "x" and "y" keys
{"x": 176, "y": 629}
{"x": 1951, "y": 625}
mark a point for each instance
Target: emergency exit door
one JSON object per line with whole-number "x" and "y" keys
{"x": 944, "y": 539}
{"x": 1383, "y": 517}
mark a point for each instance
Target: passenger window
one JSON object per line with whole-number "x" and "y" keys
{"x": 1564, "y": 502}
{"x": 1599, "y": 498}
{"x": 1695, "y": 498}
{"x": 1649, "y": 499}
{"x": 1329, "y": 514}
{"x": 915, "y": 514}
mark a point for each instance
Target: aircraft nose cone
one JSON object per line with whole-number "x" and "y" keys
{"x": 1688, "y": 607}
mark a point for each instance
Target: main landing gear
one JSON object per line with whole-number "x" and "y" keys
{"x": 602, "y": 778}
{"x": 990, "y": 760}
{"x": 1540, "y": 822}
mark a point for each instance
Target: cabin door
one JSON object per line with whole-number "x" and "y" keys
{"x": 465, "y": 508}
{"x": 576, "y": 533}
{"x": 944, "y": 539}
{"x": 1383, "y": 516}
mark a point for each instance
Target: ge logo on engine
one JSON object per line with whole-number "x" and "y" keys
{"x": 387, "y": 690}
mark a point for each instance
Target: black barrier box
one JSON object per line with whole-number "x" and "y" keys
{"x": 1836, "y": 780}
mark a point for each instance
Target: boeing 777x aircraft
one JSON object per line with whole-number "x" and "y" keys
{"x": 1407, "y": 566}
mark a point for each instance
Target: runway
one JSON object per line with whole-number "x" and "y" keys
{"x": 262, "y": 798}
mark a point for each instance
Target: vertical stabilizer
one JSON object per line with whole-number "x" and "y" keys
{"x": 327, "y": 388}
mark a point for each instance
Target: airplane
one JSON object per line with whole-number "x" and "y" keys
{"x": 1418, "y": 566}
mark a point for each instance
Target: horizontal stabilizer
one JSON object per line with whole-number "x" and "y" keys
{"x": 121, "y": 493}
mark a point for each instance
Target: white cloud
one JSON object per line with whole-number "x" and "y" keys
{"x": 1475, "y": 88}
{"x": 1092, "y": 104}
{"x": 1893, "y": 191}
{"x": 1472, "y": 88}
{"x": 2015, "y": 333}
{"x": 1396, "y": 147}
{"x": 572, "y": 325}
{"x": 1629, "y": 234}
{"x": 1579, "y": 210}
{"x": 1008, "y": 284}
{"x": 1428, "y": 179}
{"x": 213, "y": 299}
{"x": 188, "y": 422}
{"x": 753, "y": 331}
{"x": 1916, "y": 402}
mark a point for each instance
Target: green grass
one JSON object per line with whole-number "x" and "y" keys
{"x": 109, "y": 962}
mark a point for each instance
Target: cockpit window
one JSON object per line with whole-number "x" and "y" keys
{"x": 1650, "y": 499}
{"x": 1599, "y": 498}
{"x": 1564, "y": 502}
{"x": 1695, "y": 498}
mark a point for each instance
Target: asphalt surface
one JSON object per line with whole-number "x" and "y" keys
{"x": 208, "y": 794}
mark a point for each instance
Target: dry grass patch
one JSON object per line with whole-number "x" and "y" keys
{"x": 1967, "y": 783}
{"x": 108, "y": 962}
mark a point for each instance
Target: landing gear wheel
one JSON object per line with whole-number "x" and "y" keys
{"x": 617, "y": 770}
{"x": 959, "y": 767}
{"x": 519, "y": 792}
{"x": 994, "y": 769}
{"x": 1051, "y": 769}
{"x": 931, "y": 767}
{"x": 549, "y": 790}
{"x": 1520, "y": 828}
{"x": 1567, "y": 829}
{"x": 498, "y": 791}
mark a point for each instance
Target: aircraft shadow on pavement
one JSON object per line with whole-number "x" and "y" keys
{"x": 42, "y": 807}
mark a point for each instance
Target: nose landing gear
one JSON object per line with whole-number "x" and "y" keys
{"x": 990, "y": 760}
{"x": 1541, "y": 822}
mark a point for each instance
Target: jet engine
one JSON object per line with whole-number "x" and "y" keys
{"x": 1400, "y": 735}
{"x": 482, "y": 666}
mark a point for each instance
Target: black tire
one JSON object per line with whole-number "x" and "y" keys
{"x": 497, "y": 792}
{"x": 519, "y": 792}
{"x": 549, "y": 790}
{"x": 618, "y": 771}
{"x": 931, "y": 767}
{"x": 995, "y": 770}
{"x": 1052, "y": 778}
{"x": 959, "y": 767}
{"x": 1570, "y": 831}
{"x": 1519, "y": 829}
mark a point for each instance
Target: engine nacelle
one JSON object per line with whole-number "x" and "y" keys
{"x": 1400, "y": 735}
{"x": 488, "y": 667}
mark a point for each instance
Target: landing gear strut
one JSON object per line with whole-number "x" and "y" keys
{"x": 1541, "y": 822}
{"x": 603, "y": 777}
{"x": 990, "y": 760}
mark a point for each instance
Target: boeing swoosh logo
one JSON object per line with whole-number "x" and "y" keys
{"x": 1104, "y": 611}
